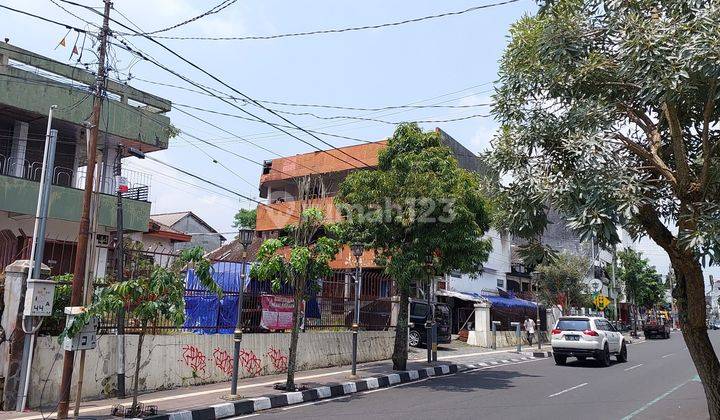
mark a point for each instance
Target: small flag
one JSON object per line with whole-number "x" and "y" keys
{"x": 62, "y": 41}
{"x": 74, "y": 51}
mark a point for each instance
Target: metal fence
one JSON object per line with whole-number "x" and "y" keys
{"x": 333, "y": 302}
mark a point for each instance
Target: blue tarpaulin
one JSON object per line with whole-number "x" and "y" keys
{"x": 219, "y": 315}
{"x": 509, "y": 303}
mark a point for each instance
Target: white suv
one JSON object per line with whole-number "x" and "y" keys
{"x": 582, "y": 337}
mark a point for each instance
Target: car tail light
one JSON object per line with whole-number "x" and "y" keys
{"x": 591, "y": 333}
{"x": 555, "y": 331}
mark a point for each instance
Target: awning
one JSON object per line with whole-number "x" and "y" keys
{"x": 509, "y": 303}
{"x": 470, "y": 297}
{"x": 494, "y": 300}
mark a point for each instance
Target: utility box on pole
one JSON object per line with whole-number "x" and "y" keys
{"x": 39, "y": 297}
{"x": 86, "y": 339}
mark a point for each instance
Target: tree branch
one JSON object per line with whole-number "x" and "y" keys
{"x": 656, "y": 229}
{"x": 707, "y": 149}
{"x": 654, "y": 160}
{"x": 681, "y": 160}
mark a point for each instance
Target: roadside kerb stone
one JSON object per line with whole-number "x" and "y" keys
{"x": 252, "y": 405}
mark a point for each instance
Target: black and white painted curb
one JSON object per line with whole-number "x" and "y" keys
{"x": 252, "y": 405}
{"x": 538, "y": 353}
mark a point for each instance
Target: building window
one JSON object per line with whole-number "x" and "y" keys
{"x": 501, "y": 283}
{"x": 455, "y": 274}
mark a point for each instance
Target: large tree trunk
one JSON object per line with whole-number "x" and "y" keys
{"x": 136, "y": 381}
{"x": 690, "y": 295}
{"x": 292, "y": 353}
{"x": 400, "y": 351}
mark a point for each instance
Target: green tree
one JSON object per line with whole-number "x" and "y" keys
{"x": 643, "y": 284}
{"x": 562, "y": 281}
{"x": 153, "y": 295}
{"x": 608, "y": 113}
{"x": 299, "y": 259}
{"x": 417, "y": 204}
{"x": 245, "y": 219}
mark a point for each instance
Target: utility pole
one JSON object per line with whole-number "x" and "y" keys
{"x": 614, "y": 285}
{"x": 84, "y": 231}
{"x": 119, "y": 261}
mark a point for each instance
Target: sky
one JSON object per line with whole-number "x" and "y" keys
{"x": 447, "y": 61}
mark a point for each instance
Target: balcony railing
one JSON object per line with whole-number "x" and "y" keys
{"x": 138, "y": 182}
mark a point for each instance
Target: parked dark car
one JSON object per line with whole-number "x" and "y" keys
{"x": 418, "y": 316}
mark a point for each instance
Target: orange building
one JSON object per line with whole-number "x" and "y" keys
{"x": 278, "y": 186}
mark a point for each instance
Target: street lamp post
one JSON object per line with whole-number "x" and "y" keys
{"x": 357, "y": 251}
{"x": 245, "y": 237}
{"x": 536, "y": 281}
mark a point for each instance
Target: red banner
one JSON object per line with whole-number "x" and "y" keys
{"x": 277, "y": 312}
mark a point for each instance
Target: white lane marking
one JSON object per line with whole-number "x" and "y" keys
{"x": 567, "y": 390}
{"x": 667, "y": 355}
{"x": 459, "y": 356}
{"x": 244, "y": 417}
{"x": 290, "y": 407}
{"x": 633, "y": 367}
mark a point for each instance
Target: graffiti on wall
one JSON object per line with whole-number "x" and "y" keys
{"x": 194, "y": 359}
{"x": 278, "y": 359}
{"x": 223, "y": 360}
{"x": 250, "y": 362}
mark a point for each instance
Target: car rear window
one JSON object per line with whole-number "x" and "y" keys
{"x": 573, "y": 325}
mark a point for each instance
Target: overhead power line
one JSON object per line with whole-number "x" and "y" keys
{"x": 64, "y": 25}
{"x": 301, "y": 105}
{"x": 145, "y": 57}
{"x": 352, "y": 117}
{"x": 224, "y": 4}
{"x": 190, "y": 174}
{"x": 338, "y": 30}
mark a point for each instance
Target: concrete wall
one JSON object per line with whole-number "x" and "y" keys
{"x": 170, "y": 361}
{"x": 508, "y": 339}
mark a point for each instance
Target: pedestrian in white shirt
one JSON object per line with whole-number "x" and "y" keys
{"x": 529, "y": 329}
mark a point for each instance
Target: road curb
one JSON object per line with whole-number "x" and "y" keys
{"x": 538, "y": 354}
{"x": 253, "y": 405}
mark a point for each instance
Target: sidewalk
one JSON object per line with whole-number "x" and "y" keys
{"x": 184, "y": 398}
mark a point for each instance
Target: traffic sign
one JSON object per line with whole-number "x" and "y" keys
{"x": 601, "y": 302}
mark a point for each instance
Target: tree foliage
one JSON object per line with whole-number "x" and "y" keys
{"x": 300, "y": 258}
{"x": 417, "y": 204}
{"x": 562, "y": 280}
{"x": 151, "y": 294}
{"x": 643, "y": 284}
{"x": 245, "y": 219}
{"x": 608, "y": 113}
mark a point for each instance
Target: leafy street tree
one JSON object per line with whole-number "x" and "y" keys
{"x": 609, "y": 114}
{"x": 299, "y": 260}
{"x": 245, "y": 219}
{"x": 155, "y": 293}
{"x": 643, "y": 284}
{"x": 562, "y": 281}
{"x": 418, "y": 204}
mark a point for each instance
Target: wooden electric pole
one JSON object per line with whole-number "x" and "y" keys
{"x": 76, "y": 298}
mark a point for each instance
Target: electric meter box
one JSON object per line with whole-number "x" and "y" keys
{"x": 86, "y": 339}
{"x": 39, "y": 297}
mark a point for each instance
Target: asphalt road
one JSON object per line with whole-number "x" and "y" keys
{"x": 658, "y": 382}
